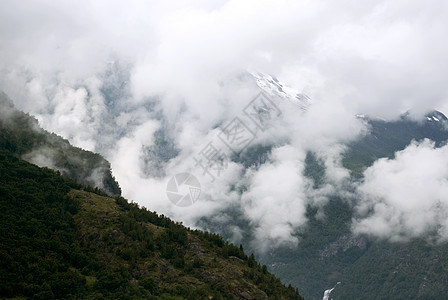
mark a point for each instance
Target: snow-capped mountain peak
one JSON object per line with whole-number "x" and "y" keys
{"x": 273, "y": 87}
{"x": 436, "y": 116}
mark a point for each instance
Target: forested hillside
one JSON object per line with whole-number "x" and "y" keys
{"x": 61, "y": 240}
{"x": 21, "y": 134}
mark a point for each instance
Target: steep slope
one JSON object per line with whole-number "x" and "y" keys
{"x": 59, "y": 241}
{"x": 21, "y": 134}
{"x": 385, "y": 138}
{"x": 367, "y": 268}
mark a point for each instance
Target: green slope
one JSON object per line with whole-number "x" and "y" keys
{"x": 61, "y": 241}
{"x": 21, "y": 134}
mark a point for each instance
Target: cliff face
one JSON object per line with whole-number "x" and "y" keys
{"x": 343, "y": 243}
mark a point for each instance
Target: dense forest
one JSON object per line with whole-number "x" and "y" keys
{"x": 64, "y": 240}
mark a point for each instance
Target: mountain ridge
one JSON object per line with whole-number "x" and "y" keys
{"x": 384, "y": 138}
{"x": 22, "y": 134}
{"x": 64, "y": 240}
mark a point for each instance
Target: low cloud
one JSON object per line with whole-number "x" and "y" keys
{"x": 43, "y": 157}
{"x": 276, "y": 200}
{"x": 405, "y": 197}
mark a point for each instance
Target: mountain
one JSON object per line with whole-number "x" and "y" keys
{"x": 64, "y": 240}
{"x": 21, "y": 134}
{"x": 328, "y": 249}
{"x": 327, "y": 252}
{"x": 373, "y": 268}
{"x": 385, "y": 138}
{"x": 274, "y": 87}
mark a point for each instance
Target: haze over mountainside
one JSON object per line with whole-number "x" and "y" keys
{"x": 66, "y": 241}
{"x": 21, "y": 134}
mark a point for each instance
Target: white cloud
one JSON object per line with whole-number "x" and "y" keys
{"x": 276, "y": 200}
{"x": 405, "y": 197}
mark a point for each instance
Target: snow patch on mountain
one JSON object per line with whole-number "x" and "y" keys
{"x": 273, "y": 87}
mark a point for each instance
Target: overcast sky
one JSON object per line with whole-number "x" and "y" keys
{"x": 184, "y": 58}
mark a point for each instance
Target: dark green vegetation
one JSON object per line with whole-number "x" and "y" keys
{"x": 315, "y": 254}
{"x": 21, "y": 134}
{"x": 60, "y": 240}
{"x": 414, "y": 270}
